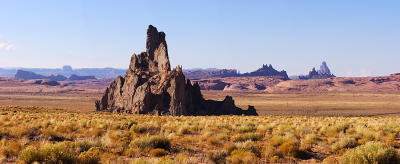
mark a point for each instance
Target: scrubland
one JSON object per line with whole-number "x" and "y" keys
{"x": 52, "y": 135}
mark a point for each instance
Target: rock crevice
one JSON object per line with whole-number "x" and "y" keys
{"x": 151, "y": 87}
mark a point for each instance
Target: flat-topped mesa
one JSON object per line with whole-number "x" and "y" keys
{"x": 150, "y": 87}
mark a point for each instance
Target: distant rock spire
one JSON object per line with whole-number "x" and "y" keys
{"x": 322, "y": 73}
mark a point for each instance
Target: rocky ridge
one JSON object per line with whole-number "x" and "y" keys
{"x": 265, "y": 70}
{"x": 28, "y": 75}
{"x": 150, "y": 87}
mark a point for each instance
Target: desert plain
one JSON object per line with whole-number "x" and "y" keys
{"x": 60, "y": 123}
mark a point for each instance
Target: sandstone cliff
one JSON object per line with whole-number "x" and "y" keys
{"x": 150, "y": 86}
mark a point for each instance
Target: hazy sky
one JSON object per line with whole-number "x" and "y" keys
{"x": 355, "y": 38}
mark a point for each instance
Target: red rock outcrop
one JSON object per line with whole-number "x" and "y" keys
{"x": 150, "y": 87}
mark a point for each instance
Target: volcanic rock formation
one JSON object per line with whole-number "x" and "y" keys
{"x": 266, "y": 70}
{"x": 322, "y": 73}
{"x": 150, "y": 86}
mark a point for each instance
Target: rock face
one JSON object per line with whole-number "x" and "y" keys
{"x": 266, "y": 70}
{"x": 150, "y": 87}
{"x": 322, "y": 73}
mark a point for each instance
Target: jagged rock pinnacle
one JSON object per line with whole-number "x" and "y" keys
{"x": 150, "y": 86}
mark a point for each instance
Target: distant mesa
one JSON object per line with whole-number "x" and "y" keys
{"x": 57, "y": 77}
{"x": 76, "y": 77}
{"x": 21, "y": 74}
{"x": 265, "y": 70}
{"x": 28, "y": 75}
{"x": 47, "y": 82}
{"x": 323, "y": 73}
{"x": 150, "y": 87}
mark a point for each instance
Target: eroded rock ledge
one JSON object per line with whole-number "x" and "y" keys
{"x": 150, "y": 87}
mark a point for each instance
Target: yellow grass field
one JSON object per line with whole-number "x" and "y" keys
{"x": 52, "y": 135}
{"x": 292, "y": 128}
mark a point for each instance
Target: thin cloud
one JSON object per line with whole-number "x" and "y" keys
{"x": 6, "y": 47}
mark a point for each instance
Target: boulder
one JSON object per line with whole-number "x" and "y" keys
{"x": 151, "y": 87}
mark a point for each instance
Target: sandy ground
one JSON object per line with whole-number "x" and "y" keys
{"x": 329, "y": 104}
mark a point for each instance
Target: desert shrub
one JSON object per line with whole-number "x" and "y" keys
{"x": 141, "y": 161}
{"x": 160, "y": 142}
{"x": 158, "y": 152}
{"x": 229, "y": 148}
{"x": 344, "y": 143}
{"x": 139, "y": 129}
{"x": 29, "y": 155}
{"x": 290, "y": 149}
{"x": 216, "y": 156}
{"x": 249, "y": 146}
{"x": 269, "y": 152}
{"x": 311, "y": 138}
{"x": 131, "y": 152}
{"x": 182, "y": 158}
{"x": 222, "y": 136}
{"x": 330, "y": 160}
{"x": 334, "y": 130}
{"x": 373, "y": 153}
{"x": 239, "y": 156}
{"x": 164, "y": 160}
{"x": 276, "y": 140}
{"x": 245, "y": 137}
{"x": 107, "y": 157}
{"x": 10, "y": 149}
{"x": 153, "y": 142}
{"x": 141, "y": 143}
{"x": 184, "y": 130}
{"x": 96, "y": 132}
{"x": 57, "y": 153}
{"x": 92, "y": 156}
{"x": 274, "y": 159}
{"x": 4, "y": 133}
{"x": 247, "y": 128}
{"x": 213, "y": 141}
{"x": 83, "y": 146}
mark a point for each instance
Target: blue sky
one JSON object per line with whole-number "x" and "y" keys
{"x": 356, "y": 38}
